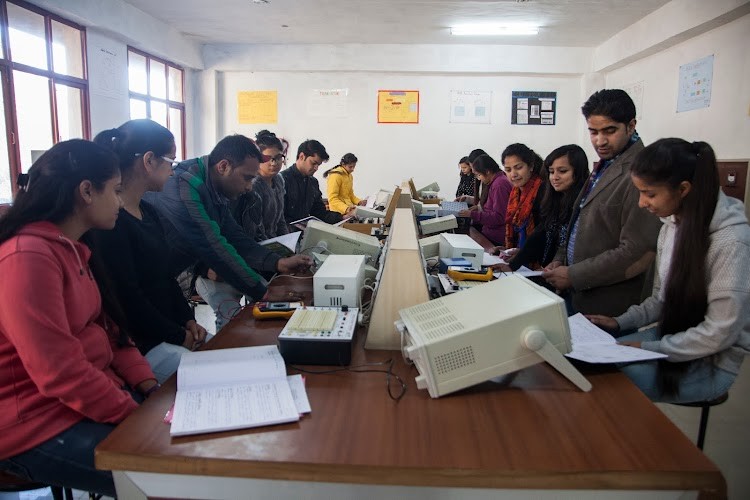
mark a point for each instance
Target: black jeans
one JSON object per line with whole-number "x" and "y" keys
{"x": 66, "y": 460}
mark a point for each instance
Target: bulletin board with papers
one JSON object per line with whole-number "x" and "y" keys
{"x": 531, "y": 107}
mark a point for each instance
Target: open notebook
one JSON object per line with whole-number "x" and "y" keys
{"x": 226, "y": 389}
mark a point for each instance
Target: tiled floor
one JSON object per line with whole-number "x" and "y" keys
{"x": 727, "y": 439}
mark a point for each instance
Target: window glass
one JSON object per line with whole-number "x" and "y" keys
{"x": 67, "y": 56}
{"x": 137, "y": 73}
{"x": 138, "y": 109}
{"x": 28, "y": 44}
{"x": 158, "y": 79}
{"x": 69, "y": 112}
{"x": 175, "y": 84}
{"x": 34, "y": 117}
{"x": 175, "y": 126}
{"x": 159, "y": 112}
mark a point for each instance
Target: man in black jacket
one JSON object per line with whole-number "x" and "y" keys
{"x": 303, "y": 197}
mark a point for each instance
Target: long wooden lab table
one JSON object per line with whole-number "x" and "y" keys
{"x": 536, "y": 436}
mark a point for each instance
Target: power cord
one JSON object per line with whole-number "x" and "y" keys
{"x": 366, "y": 368}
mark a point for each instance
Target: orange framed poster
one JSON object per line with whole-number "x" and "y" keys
{"x": 398, "y": 106}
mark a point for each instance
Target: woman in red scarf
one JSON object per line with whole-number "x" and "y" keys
{"x": 524, "y": 169}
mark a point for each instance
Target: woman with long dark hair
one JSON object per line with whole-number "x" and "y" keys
{"x": 67, "y": 371}
{"x": 134, "y": 256}
{"x": 466, "y": 182}
{"x": 492, "y": 212}
{"x": 701, "y": 293}
{"x": 524, "y": 170}
{"x": 567, "y": 170}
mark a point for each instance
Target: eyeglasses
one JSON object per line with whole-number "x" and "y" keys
{"x": 173, "y": 162}
{"x": 274, "y": 159}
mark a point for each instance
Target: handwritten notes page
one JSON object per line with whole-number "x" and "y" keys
{"x": 227, "y": 389}
{"x": 593, "y": 345}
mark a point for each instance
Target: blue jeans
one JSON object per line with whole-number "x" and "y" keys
{"x": 66, "y": 460}
{"x": 164, "y": 360}
{"x": 223, "y": 298}
{"x": 701, "y": 381}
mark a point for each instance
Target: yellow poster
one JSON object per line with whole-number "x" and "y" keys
{"x": 398, "y": 106}
{"x": 257, "y": 106}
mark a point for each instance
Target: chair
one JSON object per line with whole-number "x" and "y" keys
{"x": 705, "y": 407}
{"x": 11, "y": 483}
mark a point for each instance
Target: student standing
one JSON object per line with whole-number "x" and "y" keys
{"x": 466, "y": 181}
{"x": 524, "y": 170}
{"x": 567, "y": 169}
{"x": 135, "y": 254}
{"x": 611, "y": 242}
{"x": 260, "y": 212}
{"x": 491, "y": 215}
{"x": 701, "y": 293}
{"x": 341, "y": 197}
{"x": 67, "y": 370}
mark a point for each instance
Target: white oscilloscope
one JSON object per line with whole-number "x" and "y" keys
{"x": 466, "y": 338}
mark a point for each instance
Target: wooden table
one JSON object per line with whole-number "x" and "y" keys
{"x": 537, "y": 435}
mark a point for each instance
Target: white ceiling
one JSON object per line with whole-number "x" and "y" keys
{"x": 566, "y": 23}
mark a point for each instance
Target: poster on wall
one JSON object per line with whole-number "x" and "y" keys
{"x": 106, "y": 81}
{"x": 635, "y": 91}
{"x": 257, "y": 106}
{"x": 328, "y": 103}
{"x": 398, "y": 106}
{"x": 694, "y": 87}
{"x": 532, "y": 107}
{"x": 471, "y": 106}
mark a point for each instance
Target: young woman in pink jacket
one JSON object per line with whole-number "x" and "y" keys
{"x": 67, "y": 374}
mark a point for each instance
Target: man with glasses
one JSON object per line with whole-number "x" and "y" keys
{"x": 303, "y": 197}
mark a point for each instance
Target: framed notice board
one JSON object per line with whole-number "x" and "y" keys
{"x": 530, "y": 107}
{"x": 398, "y": 106}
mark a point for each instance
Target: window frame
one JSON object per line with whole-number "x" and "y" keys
{"x": 8, "y": 66}
{"x": 148, "y": 98}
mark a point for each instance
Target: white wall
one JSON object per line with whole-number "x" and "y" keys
{"x": 726, "y": 123}
{"x": 430, "y": 150}
{"x": 388, "y": 153}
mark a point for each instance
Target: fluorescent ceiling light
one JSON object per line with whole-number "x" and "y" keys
{"x": 493, "y": 29}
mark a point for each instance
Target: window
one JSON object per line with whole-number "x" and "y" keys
{"x": 44, "y": 96}
{"x": 156, "y": 92}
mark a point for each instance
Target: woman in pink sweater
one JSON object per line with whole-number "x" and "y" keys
{"x": 67, "y": 374}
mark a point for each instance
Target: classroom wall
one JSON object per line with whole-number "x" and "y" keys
{"x": 725, "y": 124}
{"x": 388, "y": 153}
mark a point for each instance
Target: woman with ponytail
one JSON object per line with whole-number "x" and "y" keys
{"x": 341, "y": 196}
{"x": 132, "y": 260}
{"x": 67, "y": 374}
{"x": 701, "y": 293}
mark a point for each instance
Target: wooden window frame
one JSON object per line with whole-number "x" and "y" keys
{"x": 148, "y": 98}
{"x": 7, "y": 67}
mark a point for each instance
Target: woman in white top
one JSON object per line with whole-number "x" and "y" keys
{"x": 701, "y": 294}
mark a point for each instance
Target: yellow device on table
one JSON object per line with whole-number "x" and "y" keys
{"x": 275, "y": 310}
{"x": 470, "y": 274}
